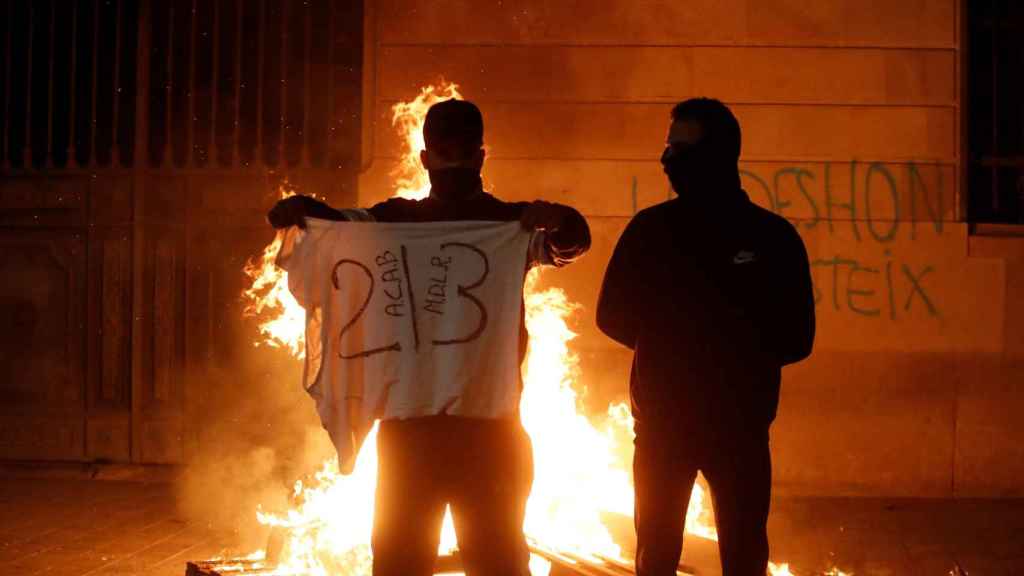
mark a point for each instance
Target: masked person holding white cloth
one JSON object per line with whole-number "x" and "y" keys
{"x": 474, "y": 455}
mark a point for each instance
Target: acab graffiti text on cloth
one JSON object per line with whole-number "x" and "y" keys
{"x": 408, "y": 319}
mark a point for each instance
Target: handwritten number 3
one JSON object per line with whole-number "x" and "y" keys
{"x": 464, "y": 292}
{"x": 395, "y": 347}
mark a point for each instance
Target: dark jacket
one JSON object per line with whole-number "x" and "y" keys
{"x": 563, "y": 246}
{"x": 713, "y": 302}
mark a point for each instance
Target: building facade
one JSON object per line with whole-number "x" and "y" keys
{"x": 855, "y": 128}
{"x": 123, "y": 245}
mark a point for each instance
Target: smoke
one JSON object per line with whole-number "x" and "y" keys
{"x": 258, "y": 432}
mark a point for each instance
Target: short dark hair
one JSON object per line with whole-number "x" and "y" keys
{"x": 721, "y": 129}
{"x": 454, "y": 129}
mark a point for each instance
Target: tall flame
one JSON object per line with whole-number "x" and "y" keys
{"x": 283, "y": 321}
{"x": 581, "y": 470}
{"x": 411, "y": 180}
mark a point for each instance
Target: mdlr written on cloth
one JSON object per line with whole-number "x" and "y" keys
{"x": 437, "y": 291}
{"x": 399, "y": 294}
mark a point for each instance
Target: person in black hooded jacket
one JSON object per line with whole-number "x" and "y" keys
{"x": 713, "y": 295}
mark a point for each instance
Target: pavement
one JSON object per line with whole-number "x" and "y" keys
{"x": 104, "y": 521}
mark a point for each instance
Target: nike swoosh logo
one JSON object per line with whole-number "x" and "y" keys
{"x": 744, "y": 257}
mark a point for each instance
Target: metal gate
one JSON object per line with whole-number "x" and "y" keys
{"x": 142, "y": 143}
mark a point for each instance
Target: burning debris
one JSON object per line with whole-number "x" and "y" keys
{"x": 560, "y": 565}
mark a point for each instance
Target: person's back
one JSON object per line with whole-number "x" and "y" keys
{"x": 480, "y": 464}
{"x": 719, "y": 287}
{"x": 713, "y": 295}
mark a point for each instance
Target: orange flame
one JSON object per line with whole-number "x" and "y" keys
{"x": 283, "y": 321}
{"x": 411, "y": 180}
{"x": 779, "y": 569}
{"x": 783, "y": 570}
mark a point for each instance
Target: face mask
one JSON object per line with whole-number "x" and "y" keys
{"x": 683, "y": 170}
{"x": 696, "y": 174}
{"x": 454, "y": 183}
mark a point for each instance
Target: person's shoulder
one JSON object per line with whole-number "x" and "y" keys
{"x": 393, "y": 209}
{"x": 774, "y": 225}
{"x": 485, "y": 197}
{"x": 498, "y": 208}
{"x": 650, "y": 222}
{"x": 656, "y": 213}
{"x": 766, "y": 218}
{"x": 396, "y": 202}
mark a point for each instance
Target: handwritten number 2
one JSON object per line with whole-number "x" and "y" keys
{"x": 464, "y": 292}
{"x": 395, "y": 347}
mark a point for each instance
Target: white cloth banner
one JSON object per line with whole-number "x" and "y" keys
{"x": 408, "y": 319}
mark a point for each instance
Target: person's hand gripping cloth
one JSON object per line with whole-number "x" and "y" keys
{"x": 407, "y": 320}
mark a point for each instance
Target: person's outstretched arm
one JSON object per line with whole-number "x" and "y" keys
{"x": 568, "y": 234}
{"x": 293, "y": 211}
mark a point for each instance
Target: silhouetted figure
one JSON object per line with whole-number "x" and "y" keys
{"x": 482, "y": 467}
{"x": 713, "y": 294}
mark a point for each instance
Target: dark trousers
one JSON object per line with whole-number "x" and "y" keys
{"x": 739, "y": 474}
{"x": 482, "y": 468}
